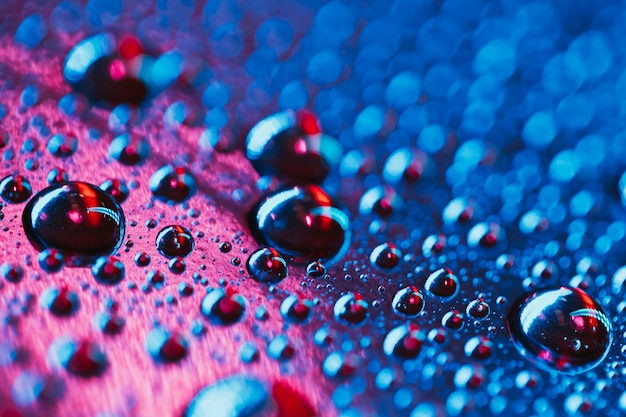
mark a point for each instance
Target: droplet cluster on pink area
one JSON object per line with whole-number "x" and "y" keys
{"x": 312, "y": 208}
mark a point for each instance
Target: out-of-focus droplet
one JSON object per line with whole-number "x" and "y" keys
{"x": 223, "y": 307}
{"x": 302, "y": 223}
{"x": 235, "y": 396}
{"x": 382, "y": 200}
{"x": 296, "y": 310}
{"x": 80, "y": 357}
{"x": 129, "y": 151}
{"x": 266, "y": 265}
{"x": 290, "y": 146}
{"x": 77, "y": 219}
{"x": 165, "y": 346}
{"x": 408, "y": 302}
{"x": 404, "y": 341}
{"x": 351, "y": 309}
{"x": 561, "y": 329}
{"x": 61, "y": 302}
{"x": 108, "y": 270}
{"x": 51, "y": 260}
{"x": 15, "y": 189}
{"x": 172, "y": 184}
{"x": 173, "y": 241}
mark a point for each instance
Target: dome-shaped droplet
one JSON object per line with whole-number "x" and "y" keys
{"x": 478, "y": 309}
{"x": 172, "y": 183}
{"x": 108, "y": 270}
{"x": 103, "y": 72}
{"x": 382, "y": 200}
{"x": 127, "y": 150}
{"x": 560, "y": 328}
{"x": 453, "y": 320}
{"x": 295, "y": 310}
{"x": 303, "y": 223}
{"x": 223, "y": 307}
{"x": 173, "y": 241}
{"x": 478, "y": 347}
{"x": 385, "y": 256}
{"x": 351, "y": 309}
{"x": 290, "y": 146}
{"x": 235, "y": 396}
{"x": 485, "y": 234}
{"x": 78, "y": 219}
{"x": 50, "y": 260}
{"x": 165, "y": 346}
{"x": 408, "y": 302}
{"x": 15, "y": 189}
{"x": 116, "y": 188}
{"x": 267, "y": 266}
{"x": 59, "y": 301}
{"x": 81, "y": 357}
{"x": 442, "y": 283}
{"x": 404, "y": 341}
{"x": 316, "y": 269}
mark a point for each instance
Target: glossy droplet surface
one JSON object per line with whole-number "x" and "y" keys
{"x": 76, "y": 218}
{"x": 172, "y": 183}
{"x": 108, "y": 270}
{"x": 404, "y": 341}
{"x": 173, "y": 241}
{"x": 266, "y": 265}
{"x": 295, "y": 310}
{"x": 223, "y": 307}
{"x": 50, "y": 260}
{"x": 385, "y": 256}
{"x": 442, "y": 283}
{"x": 81, "y": 357}
{"x": 235, "y": 396}
{"x": 289, "y": 146}
{"x": 15, "y": 189}
{"x": 59, "y": 301}
{"x": 128, "y": 151}
{"x": 116, "y": 188}
{"x": 408, "y": 302}
{"x": 560, "y": 328}
{"x": 165, "y": 346}
{"x": 303, "y": 223}
{"x": 351, "y": 309}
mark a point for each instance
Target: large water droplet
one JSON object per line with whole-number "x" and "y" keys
{"x": 303, "y": 223}
{"x": 290, "y": 146}
{"x": 78, "y": 219}
{"x": 408, "y": 302}
{"x": 15, "y": 189}
{"x": 172, "y": 183}
{"x": 236, "y": 396}
{"x": 560, "y": 328}
{"x": 173, "y": 241}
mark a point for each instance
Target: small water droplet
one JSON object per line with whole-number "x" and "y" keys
{"x": 404, "y": 341}
{"x": 108, "y": 323}
{"x": 128, "y": 151}
{"x": 108, "y": 270}
{"x": 351, "y": 309}
{"x": 478, "y": 347}
{"x": 478, "y": 309}
{"x": 303, "y": 223}
{"x": 295, "y": 310}
{"x": 543, "y": 323}
{"x": 172, "y": 183}
{"x": 173, "y": 241}
{"x": 385, "y": 256}
{"x": 80, "y": 357}
{"x": 59, "y": 301}
{"x": 408, "y": 302}
{"x": 267, "y": 266}
{"x": 51, "y": 260}
{"x": 223, "y": 306}
{"x": 116, "y": 188}
{"x": 15, "y": 189}
{"x": 78, "y": 219}
{"x": 442, "y": 283}
{"x": 453, "y": 320}
{"x": 316, "y": 269}
{"x": 382, "y": 200}
{"x": 165, "y": 346}
{"x": 12, "y": 272}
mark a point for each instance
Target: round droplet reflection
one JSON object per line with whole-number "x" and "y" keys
{"x": 560, "y": 329}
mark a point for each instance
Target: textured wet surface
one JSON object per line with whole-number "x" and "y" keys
{"x": 457, "y": 168}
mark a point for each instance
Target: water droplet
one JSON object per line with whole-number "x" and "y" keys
{"x": 316, "y": 269}
{"x": 478, "y": 309}
{"x": 108, "y": 323}
{"x": 351, "y": 309}
{"x": 62, "y": 146}
{"x": 235, "y": 396}
{"x": 177, "y": 265}
{"x": 442, "y": 283}
{"x": 453, "y": 320}
{"x": 174, "y": 241}
{"x": 59, "y": 301}
{"x": 408, "y": 302}
{"x": 385, "y": 256}
{"x": 225, "y": 247}
{"x": 172, "y": 183}
{"x": 142, "y": 259}
{"x": 12, "y": 272}
{"x": 544, "y": 322}
{"x": 116, "y": 188}
{"x": 165, "y": 346}
{"x": 80, "y": 357}
{"x": 295, "y": 310}
{"x": 51, "y": 260}
{"x": 478, "y": 347}
{"x": 57, "y": 175}
{"x": 404, "y": 341}
{"x": 223, "y": 306}
{"x": 382, "y": 200}
{"x": 78, "y": 219}
{"x": 485, "y": 234}
{"x": 433, "y": 245}
{"x": 280, "y": 348}
{"x": 108, "y": 270}
{"x": 267, "y": 266}
{"x": 340, "y": 364}
{"x": 303, "y": 223}
{"x": 99, "y": 70}
{"x": 290, "y": 146}
{"x": 470, "y": 376}
{"x": 15, "y": 189}
{"x": 129, "y": 151}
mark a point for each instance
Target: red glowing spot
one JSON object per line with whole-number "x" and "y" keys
{"x": 117, "y": 70}
{"x": 130, "y": 48}
{"x": 300, "y": 147}
{"x": 309, "y": 123}
{"x": 75, "y": 216}
{"x": 290, "y": 402}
